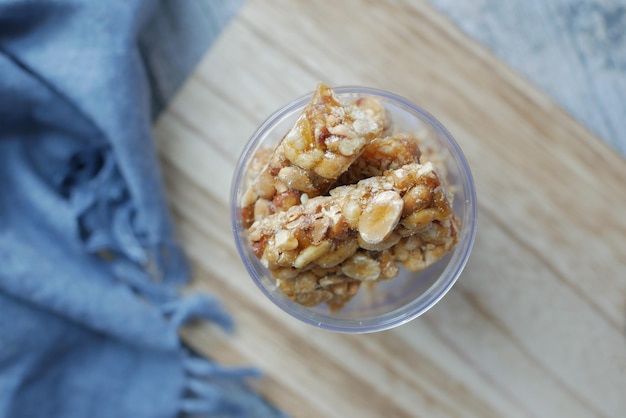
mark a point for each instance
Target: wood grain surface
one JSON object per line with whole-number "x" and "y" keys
{"x": 535, "y": 326}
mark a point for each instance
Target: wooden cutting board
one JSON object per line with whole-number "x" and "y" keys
{"x": 536, "y": 324}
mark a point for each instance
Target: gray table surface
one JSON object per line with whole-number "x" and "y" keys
{"x": 573, "y": 50}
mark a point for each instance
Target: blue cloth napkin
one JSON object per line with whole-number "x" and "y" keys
{"x": 89, "y": 269}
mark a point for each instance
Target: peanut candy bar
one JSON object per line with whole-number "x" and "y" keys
{"x": 309, "y": 289}
{"x": 321, "y": 250}
{"x": 326, "y": 139}
{"x": 337, "y": 285}
{"x": 380, "y": 155}
{"x": 326, "y": 230}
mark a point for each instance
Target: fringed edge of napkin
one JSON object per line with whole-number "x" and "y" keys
{"x": 204, "y": 379}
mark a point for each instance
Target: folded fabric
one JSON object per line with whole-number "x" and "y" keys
{"x": 90, "y": 271}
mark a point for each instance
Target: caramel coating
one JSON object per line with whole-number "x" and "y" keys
{"x": 324, "y": 142}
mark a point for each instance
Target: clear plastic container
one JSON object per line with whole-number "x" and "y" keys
{"x": 390, "y": 303}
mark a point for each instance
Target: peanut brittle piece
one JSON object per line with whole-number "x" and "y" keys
{"x": 337, "y": 285}
{"x": 351, "y": 236}
{"x": 326, "y": 139}
{"x": 309, "y": 289}
{"x": 380, "y": 155}
{"x": 360, "y": 267}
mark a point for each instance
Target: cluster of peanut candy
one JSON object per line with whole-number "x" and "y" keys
{"x": 338, "y": 204}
